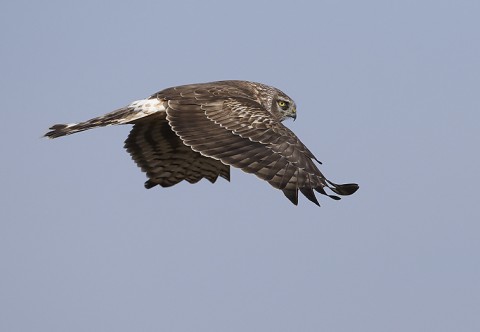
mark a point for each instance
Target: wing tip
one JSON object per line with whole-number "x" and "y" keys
{"x": 292, "y": 195}
{"x": 149, "y": 184}
{"x": 308, "y": 193}
{"x": 344, "y": 189}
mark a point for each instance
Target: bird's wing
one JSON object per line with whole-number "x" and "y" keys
{"x": 241, "y": 133}
{"x": 165, "y": 159}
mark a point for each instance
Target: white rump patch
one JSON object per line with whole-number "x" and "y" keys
{"x": 143, "y": 108}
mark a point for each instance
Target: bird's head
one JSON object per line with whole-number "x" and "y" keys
{"x": 284, "y": 106}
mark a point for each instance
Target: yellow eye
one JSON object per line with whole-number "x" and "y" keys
{"x": 282, "y": 104}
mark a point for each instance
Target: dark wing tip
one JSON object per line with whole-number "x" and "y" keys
{"x": 150, "y": 184}
{"x": 292, "y": 195}
{"x": 346, "y": 189}
{"x": 343, "y": 189}
{"x": 323, "y": 192}
{"x": 308, "y": 193}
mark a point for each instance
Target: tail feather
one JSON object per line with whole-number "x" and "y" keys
{"x": 136, "y": 110}
{"x": 59, "y": 130}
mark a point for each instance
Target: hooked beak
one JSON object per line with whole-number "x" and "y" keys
{"x": 294, "y": 114}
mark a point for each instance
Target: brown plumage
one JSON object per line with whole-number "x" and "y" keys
{"x": 197, "y": 131}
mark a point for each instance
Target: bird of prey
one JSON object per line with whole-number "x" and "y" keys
{"x": 197, "y": 131}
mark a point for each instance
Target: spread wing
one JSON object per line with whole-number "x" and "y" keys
{"x": 241, "y": 133}
{"x": 159, "y": 152}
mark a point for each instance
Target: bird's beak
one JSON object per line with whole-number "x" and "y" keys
{"x": 294, "y": 114}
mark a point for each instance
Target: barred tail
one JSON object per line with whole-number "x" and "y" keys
{"x": 136, "y": 110}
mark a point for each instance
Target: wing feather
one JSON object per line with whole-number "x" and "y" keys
{"x": 166, "y": 159}
{"x": 241, "y": 133}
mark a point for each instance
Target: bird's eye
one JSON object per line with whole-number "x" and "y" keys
{"x": 283, "y": 104}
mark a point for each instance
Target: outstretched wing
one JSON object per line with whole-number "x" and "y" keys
{"x": 159, "y": 152}
{"x": 241, "y": 133}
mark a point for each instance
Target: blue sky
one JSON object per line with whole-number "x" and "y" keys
{"x": 387, "y": 96}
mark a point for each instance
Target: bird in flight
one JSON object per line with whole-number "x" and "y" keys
{"x": 197, "y": 131}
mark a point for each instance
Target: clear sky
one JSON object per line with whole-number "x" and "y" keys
{"x": 388, "y": 97}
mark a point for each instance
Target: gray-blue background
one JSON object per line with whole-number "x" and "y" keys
{"x": 388, "y": 96}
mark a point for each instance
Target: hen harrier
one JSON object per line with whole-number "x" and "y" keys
{"x": 198, "y": 131}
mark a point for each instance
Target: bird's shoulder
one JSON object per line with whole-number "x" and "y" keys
{"x": 213, "y": 90}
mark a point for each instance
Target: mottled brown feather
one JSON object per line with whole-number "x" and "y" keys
{"x": 160, "y": 153}
{"x": 241, "y": 133}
